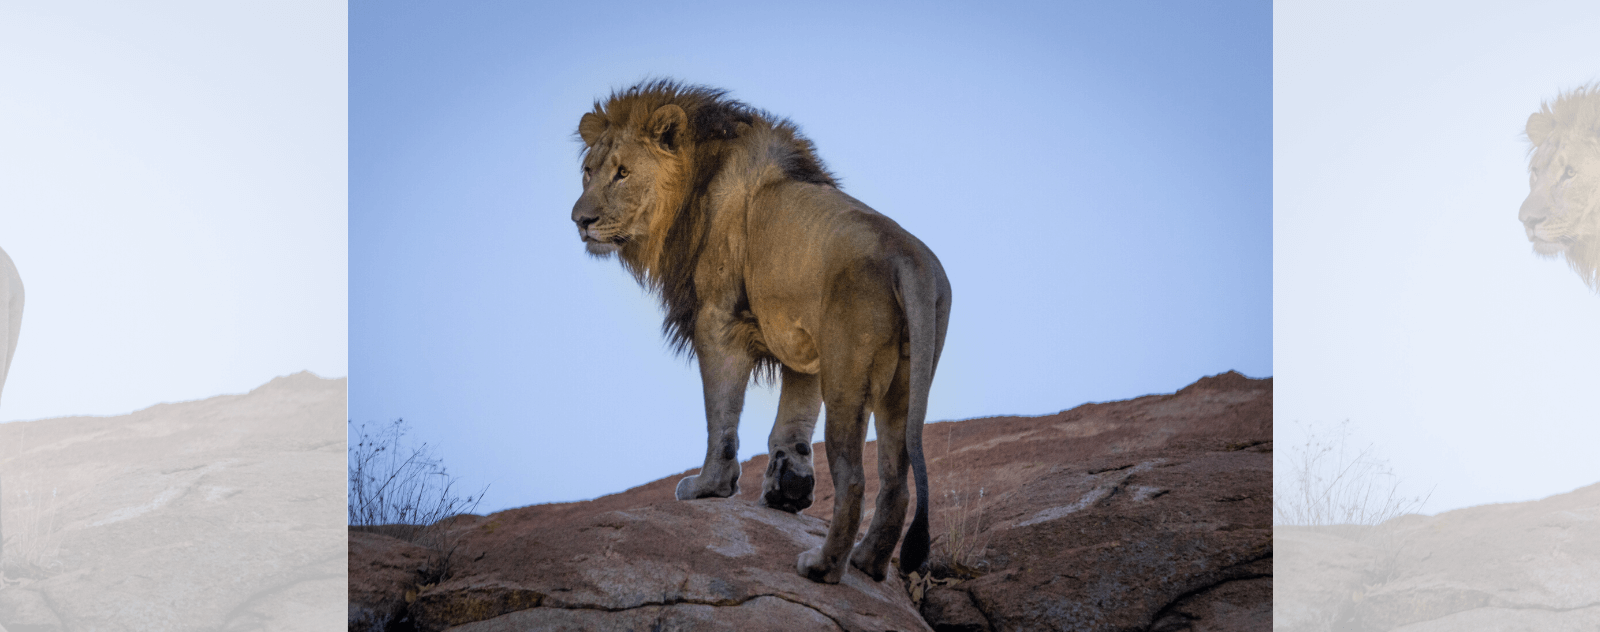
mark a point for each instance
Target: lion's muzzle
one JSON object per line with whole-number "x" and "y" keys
{"x": 585, "y": 213}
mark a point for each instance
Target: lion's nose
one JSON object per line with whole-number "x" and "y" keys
{"x": 1532, "y": 212}
{"x": 585, "y": 212}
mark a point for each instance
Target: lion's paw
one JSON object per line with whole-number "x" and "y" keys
{"x": 788, "y": 483}
{"x": 863, "y": 560}
{"x": 690, "y": 488}
{"x": 686, "y": 486}
{"x": 814, "y": 566}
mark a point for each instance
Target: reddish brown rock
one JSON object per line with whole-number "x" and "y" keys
{"x": 1150, "y": 514}
{"x": 382, "y": 570}
{"x": 704, "y": 564}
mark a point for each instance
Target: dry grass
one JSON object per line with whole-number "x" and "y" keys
{"x": 1329, "y": 483}
{"x": 404, "y": 491}
{"x": 30, "y": 519}
{"x": 958, "y": 551}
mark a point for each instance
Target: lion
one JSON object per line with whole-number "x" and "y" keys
{"x": 764, "y": 266}
{"x": 1561, "y": 214}
{"x": 10, "y": 313}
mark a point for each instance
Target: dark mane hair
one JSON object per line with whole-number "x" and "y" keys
{"x": 666, "y": 263}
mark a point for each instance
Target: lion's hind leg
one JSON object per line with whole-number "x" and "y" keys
{"x": 873, "y": 553}
{"x": 846, "y": 432}
{"x": 790, "y": 476}
{"x": 857, "y": 382}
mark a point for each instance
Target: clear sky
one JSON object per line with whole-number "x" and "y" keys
{"x": 1407, "y": 298}
{"x": 1095, "y": 177}
{"x": 172, "y": 190}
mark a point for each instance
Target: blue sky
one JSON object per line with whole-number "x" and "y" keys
{"x": 1096, "y": 180}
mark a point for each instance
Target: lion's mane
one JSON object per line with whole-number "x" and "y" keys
{"x": 666, "y": 261}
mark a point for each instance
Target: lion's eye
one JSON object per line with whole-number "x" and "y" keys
{"x": 622, "y": 172}
{"x": 1571, "y": 171}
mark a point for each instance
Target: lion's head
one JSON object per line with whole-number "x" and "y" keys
{"x": 630, "y": 170}
{"x": 1562, "y": 212}
{"x": 642, "y": 147}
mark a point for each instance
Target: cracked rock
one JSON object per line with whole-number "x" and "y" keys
{"x": 1155, "y": 510}
{"x": 711, "y": 564}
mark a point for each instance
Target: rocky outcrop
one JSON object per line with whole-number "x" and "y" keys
{"x": 223, "y": 513}
{"x": 1146, "y": 514}
{"x": 26, "y": 611}
{"x": 1513, "y": 566}
{"x": 714, "y": 564}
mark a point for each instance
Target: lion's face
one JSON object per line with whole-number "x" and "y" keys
{"x": 1561, "y": 214}
{"x": 620, "y": 194}
{"x": 628, "y": 177}
{"x": 1562, "y": 192}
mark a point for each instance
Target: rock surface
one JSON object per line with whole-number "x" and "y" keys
{"x": 217, "y": 514}
{"x": 1514, "y": 566}
{"x": 26, "y": 610}
{"x": 705, "y": 564}
{"x": 1152, "y": 513}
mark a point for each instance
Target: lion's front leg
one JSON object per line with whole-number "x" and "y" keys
{"x": 790, "y": 474}
{"x": 724, "y": 373}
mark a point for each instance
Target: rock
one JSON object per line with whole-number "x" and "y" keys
{"x": 953, "y": 610}
{"x": 704, "y": 564}
{"x": 1101, "y": 557}
{"x": 26, "y": 611}
{"x": 1136, "y": 514}
{"x": 1532, "y": 565}
{"x": 382, "y": 570}
{"x": 1317, "y": 572}
{"x": 1512, "y": 620}
{"x": 1151, "y": 513}
{"x": 221, "y": 513}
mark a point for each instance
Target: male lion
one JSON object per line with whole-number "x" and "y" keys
{"x": 763, "y": 264}
{"x": 1562, "y": 212}
{"x": 10, "y": 313}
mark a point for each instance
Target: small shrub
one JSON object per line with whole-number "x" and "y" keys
{"x": 1330, "y": 484}
{"x": 403, "y": 491}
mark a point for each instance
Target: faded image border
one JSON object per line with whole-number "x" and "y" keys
{"x": 227, "y": 512}
{"x": 1353, "y": 550}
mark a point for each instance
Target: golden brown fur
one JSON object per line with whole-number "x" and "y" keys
{"x": 763, "y": 264}
{"x": 1561, "y": 214}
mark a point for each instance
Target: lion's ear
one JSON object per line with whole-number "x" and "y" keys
{"x": 590, "y": 127}
{"x": 667, "y": 126}
{"x": 1539, "y": 127}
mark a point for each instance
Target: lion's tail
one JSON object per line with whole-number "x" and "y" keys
{"x": 920, "y": 295}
